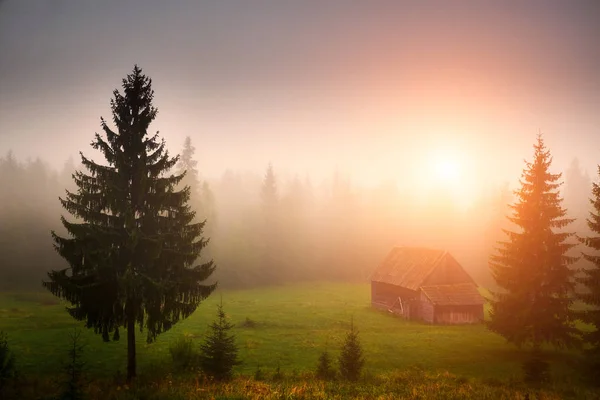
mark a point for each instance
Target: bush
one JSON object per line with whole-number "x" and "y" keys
{"x": 591, "y": 367}
{"x": 249, "y": 323}
{"x": 351, "y": 359}
{"x": 183, "y": 354}
{"x": 278, "y": 375}
{"x": 536, "y": 370}
{"x": 259, "y": 375}
{"x": 325, "y": 369}
{"x": 8, "y": 369}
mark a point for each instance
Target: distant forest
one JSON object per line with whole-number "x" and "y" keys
{"x": 268, "y": 229}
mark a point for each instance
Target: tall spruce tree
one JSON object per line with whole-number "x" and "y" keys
{"x": 590, "y": 279}
{"x": 131, "y": 260}
{"x": 531, "y": 268}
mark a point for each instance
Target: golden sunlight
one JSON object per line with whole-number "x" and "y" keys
{"x": 445, "y": 167}
{"x": 446, "y": 170}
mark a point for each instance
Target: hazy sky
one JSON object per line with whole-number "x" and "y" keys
{"x": 376, "y": 88}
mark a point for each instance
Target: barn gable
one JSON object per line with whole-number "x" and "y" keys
{"x": 413, "y": 267}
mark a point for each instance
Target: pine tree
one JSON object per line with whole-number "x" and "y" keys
{"x": 7, "y": 362}
{"x": 218, "y": 354}
{"x": 209, "y": 208}
{"x": 131, "y": 260}
{"x": 576, "y": 192}
{"x": 532, "y": 268}
{"x": 325, "y": 370}
{"x": 74, "y": 368}
{"x": 351, "y": 358}
{"x": 590, "y": 279}
{"x": 188, "y": 165}
{"x": 271, "y": 268}
{"x": 269, "y": 195}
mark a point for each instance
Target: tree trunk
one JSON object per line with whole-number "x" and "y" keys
{"x": 131, "y": 360}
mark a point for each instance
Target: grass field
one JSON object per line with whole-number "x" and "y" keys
{"x": 293, "y": 324}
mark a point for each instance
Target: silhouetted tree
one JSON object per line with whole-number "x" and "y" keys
{"x": 28, "y": 192}
{"x": 209, "y": 208}
{"x": 341, "y": 238}
{"x": 269, "y": 194}
{"x": 131, "y": 259}
{"x": 66, "y": 175}
{"x": 74, "y": 368}
{"x": 218, "y": 354}
{"x": 576, "y": 194}
{"x": 325, "y": 369}
{"x": 351, "y": 358}
{"x": 495, "y": 222}
{"x": 7, "y": 362}
{"x": 590, "y": 279}
{"x": 532, "y": 266}
{"x": 271, "y": 250}
{"x": 189, "y": 166}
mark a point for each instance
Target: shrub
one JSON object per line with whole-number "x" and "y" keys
{"x": 325, "y": 369}
{"x": 183, "y": 354}
{"x": 591, "y": 366}
{"x": 278, "y": 375}
{"x": 536, "y": 370}
{"x": 249, "y": 323}
{"x": 351, "y": 359}
{"x": 8, "y": 369}
{"x": 259, "y": 375}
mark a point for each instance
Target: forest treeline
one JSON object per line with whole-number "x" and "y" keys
{"x": 268, "y": 229}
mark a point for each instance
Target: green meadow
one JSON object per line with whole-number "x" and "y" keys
{"x": 285, "y": 326}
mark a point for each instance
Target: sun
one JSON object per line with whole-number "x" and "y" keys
{"x": 446, "y": 170}
{"x": 445, "y": 174}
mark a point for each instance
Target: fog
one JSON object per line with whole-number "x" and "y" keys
{"x": 385, "y": 124}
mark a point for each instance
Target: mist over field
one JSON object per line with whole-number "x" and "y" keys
{"x": 357, "y": 108}
{"x": 315, "y": 137}
{"x": 324, "y": 230}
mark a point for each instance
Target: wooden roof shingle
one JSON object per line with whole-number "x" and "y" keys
{"x": 458, "y": 294}
{"x": 408, "y": 266}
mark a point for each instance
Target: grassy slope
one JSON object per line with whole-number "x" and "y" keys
{"x": 294, "y": 324}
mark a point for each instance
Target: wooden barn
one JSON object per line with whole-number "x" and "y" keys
{"x": 428, "y": 285}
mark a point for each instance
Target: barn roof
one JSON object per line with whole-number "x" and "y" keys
{"x": 458, "y": 294}
{"x": 408, "y": 266}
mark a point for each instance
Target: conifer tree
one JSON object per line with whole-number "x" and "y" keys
{"x": 131, "y": 260}
{"x": 590, "y": 279}
{"x": 351, "y": 358}
{"x": 531, "y": 268}
{"x": 209, "y": 207}
{"x": 7, "y": 362}
{"x": 271, "y": 267}
{"x": 219, "y": 353}
{"x": 576, "y": 197}
{"x": 269, "y": 193}
{"x": 325, "y": 370}
{"x": 188, "y": 165}
{"x": 74, "y": 368}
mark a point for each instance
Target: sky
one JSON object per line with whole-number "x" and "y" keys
{"x": 379, "y": 90}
